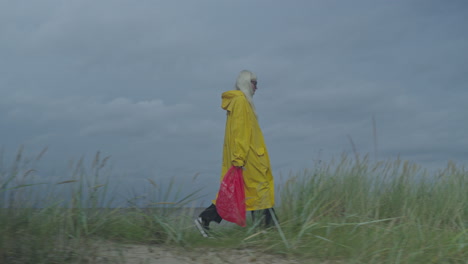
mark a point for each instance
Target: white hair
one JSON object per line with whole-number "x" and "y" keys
{"x": 244, "y": 84}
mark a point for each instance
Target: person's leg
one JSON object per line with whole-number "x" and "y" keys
{"x": 208, "y": 215}
{"x": 264, "y": 217}
{"x": 204, "y": 219}
{"x": 268, "y": 217}
{"x": 252, "y": 213}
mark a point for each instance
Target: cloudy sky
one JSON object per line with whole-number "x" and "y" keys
{"x": 141, "y": 81}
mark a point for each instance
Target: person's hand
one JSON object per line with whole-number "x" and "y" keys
{"x": 236, "y": 164}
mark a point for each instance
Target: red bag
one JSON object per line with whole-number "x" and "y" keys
{"x": 230, "y": 203}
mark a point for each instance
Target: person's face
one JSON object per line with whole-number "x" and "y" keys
{"x": 254, "y": 85}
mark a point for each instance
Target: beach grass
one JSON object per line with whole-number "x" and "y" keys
{"x": 349, "y": 210}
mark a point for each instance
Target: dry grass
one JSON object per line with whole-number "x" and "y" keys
{"x": 348, "y": 211}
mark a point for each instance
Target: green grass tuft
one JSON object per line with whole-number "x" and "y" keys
{"x": 346, "y": 211}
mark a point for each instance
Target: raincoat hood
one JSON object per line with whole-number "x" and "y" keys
{"x": 228, "y": 96}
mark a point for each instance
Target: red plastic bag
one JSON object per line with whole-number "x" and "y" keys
{"x": 230, "y": 203}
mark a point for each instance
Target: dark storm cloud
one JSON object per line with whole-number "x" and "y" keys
{"x": 141, "y": 81}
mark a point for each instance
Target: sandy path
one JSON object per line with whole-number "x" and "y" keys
{"x": 152, "y": 254}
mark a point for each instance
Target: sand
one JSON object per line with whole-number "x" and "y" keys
{"x": 107, "y": 252}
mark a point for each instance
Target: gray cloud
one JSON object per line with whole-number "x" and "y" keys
{"x": 142, "y": 81}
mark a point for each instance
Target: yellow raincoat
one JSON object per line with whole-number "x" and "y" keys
{"x": 244, "y": 146}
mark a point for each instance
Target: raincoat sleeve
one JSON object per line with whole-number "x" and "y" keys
{"x": 240, "y": 132}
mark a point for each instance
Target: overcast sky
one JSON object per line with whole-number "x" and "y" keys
{"x": 141, "y": 81}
